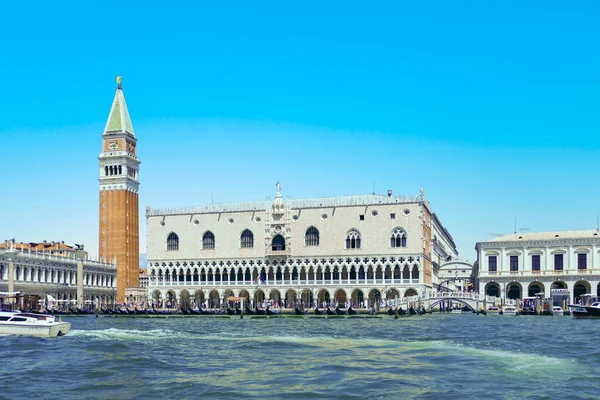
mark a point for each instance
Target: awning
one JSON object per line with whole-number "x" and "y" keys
{"x": 232, "y": 298}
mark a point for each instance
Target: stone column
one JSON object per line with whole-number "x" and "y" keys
{"x": 11, "y": 280}
{"x": 79, "y": 282}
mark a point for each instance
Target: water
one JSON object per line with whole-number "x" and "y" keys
{"x": 432, "y": 356}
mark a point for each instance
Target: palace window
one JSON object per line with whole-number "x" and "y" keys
{"x": 398, "y": 238}
{"x": 535, "y": 262}
{"x": 514, "y": 263}
{"x": 558, "y": 262}
{"x": 312, "y": 237}
{"x": 278, "y": 243}
{"x": 353, "y": 240}
{"x": 581, "y": 261}
{"x": 247, "y": 239}
{"x": 492, "y": 266}
{"x": 208, "y": 240}
{"x": 173, "y": 241}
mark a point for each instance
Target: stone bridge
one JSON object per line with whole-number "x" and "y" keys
{"x": 432, "y": 300}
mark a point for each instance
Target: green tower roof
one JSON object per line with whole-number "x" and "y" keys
{"x": 118, "y": 119}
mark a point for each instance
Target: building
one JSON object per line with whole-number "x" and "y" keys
{"x": 50, "y": 275}
{"x": 349, "y": 249}
{"x": 119, "y": 187}
{"x": 53, "y": 248}
{"x": 527, "y": 264}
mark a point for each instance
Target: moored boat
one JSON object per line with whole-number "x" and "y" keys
{"x": 276, "y": 311}
{"x": 493, "y": 310}
{"x": 352, "y": 311}
{"x": 19, "y": 323}
{"x": 580, "y": 311}
{"x": 297, "y": 311}
{"x": 557, "y": 310}
{"x": 509, "y": 310}
{"x": 339, "y": 311}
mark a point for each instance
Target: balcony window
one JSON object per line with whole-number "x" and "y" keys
{"x": 558, "y": 262}
{"x": 514, "y": 263}
{"x": 535, "y": 262}
{"x": 581, "y": 261}
{"x": 492, "y": 266}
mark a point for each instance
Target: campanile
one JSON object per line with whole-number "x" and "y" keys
{"x": 119, "y": 187}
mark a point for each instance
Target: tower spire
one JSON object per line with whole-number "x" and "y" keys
{"x": 118, "y": 118}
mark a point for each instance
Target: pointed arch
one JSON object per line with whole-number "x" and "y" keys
{"x": 247, "y": 239}
{"x": 311, "y": 238}
{"x": 398, "y": 238}
{"x": 278, "y": 243}
{"x": 172, "y": 241}
{"x": 353, "y": 239}
{"x": 208, "y": 240}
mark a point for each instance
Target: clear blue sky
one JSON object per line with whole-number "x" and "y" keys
{"x": 491, "y": 107}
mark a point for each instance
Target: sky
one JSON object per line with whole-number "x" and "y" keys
{"x": 490, "y": 107}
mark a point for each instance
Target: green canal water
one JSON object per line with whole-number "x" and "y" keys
{"x": 434, "y": 356}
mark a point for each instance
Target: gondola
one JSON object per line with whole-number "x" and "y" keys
{"x": 137, "y": 311}
{"x": 352, "y": 311}
{"x": 195, "y": 311}
{"x": 412, "y": 311}
{"x": 186, "y": 311}
{"x": 231, "y": 311}
{"x": 259, "y": 311}
{"x": 297, "y": 311}
{"x": 330, "y": 311}
{"x": 250, "y": 311}
{"x": 165, "y": 312}
{"x": 339, "y": 311}
{"x": 390, "y": 312}
{"x": 206, "y": 311}
{"x": 273, "y": 312}
{"x": 151, "y": 311}
{"x": 319, "y": 312}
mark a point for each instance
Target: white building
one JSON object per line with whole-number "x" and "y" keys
{"x": 44, "y": 274}
{"x": 348, "y": 249}
{"x": 524, "y": 264}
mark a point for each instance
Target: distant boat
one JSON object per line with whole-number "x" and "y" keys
{"x": 32, "y": 324}
{"x": 339, "y": 311}
{"x": 273, "y": 312}
{"x": 352, "y": 311}
{"x": 297, "y": 311}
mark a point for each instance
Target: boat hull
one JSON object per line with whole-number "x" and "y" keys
{"x": 45, "y": 330}
{"x": 583, "y": 311}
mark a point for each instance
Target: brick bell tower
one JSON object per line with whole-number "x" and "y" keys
{"x": 119, "y": 187}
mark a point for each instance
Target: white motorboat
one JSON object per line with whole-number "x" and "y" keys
{"x": 493, "y": 310}
{"x": 457, "y": 311}
{"x": 557, "y": 310}
{"x": 24, "y": 323}
{"x": 509, "y": 310}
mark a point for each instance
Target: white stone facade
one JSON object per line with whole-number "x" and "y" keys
{"x": 522, "y": 265}
{"x": 43, "y": 274}
{"x": 368, "y": 248}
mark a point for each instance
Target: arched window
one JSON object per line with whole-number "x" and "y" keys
{"x": 415, "y": 272}
{"x": 208, "y": 240}
{"x": 398, "y": 238}
{"x": 312, "y": 237}
{"x": 278, "y": 243}
{"x": 173, "y": 241}
{"x": 247, "y": 239}
{"x": 106, "y": 170}
{"x": 353, "y": 240}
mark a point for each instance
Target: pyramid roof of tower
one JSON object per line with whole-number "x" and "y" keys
{"x": 118, "y": 118}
